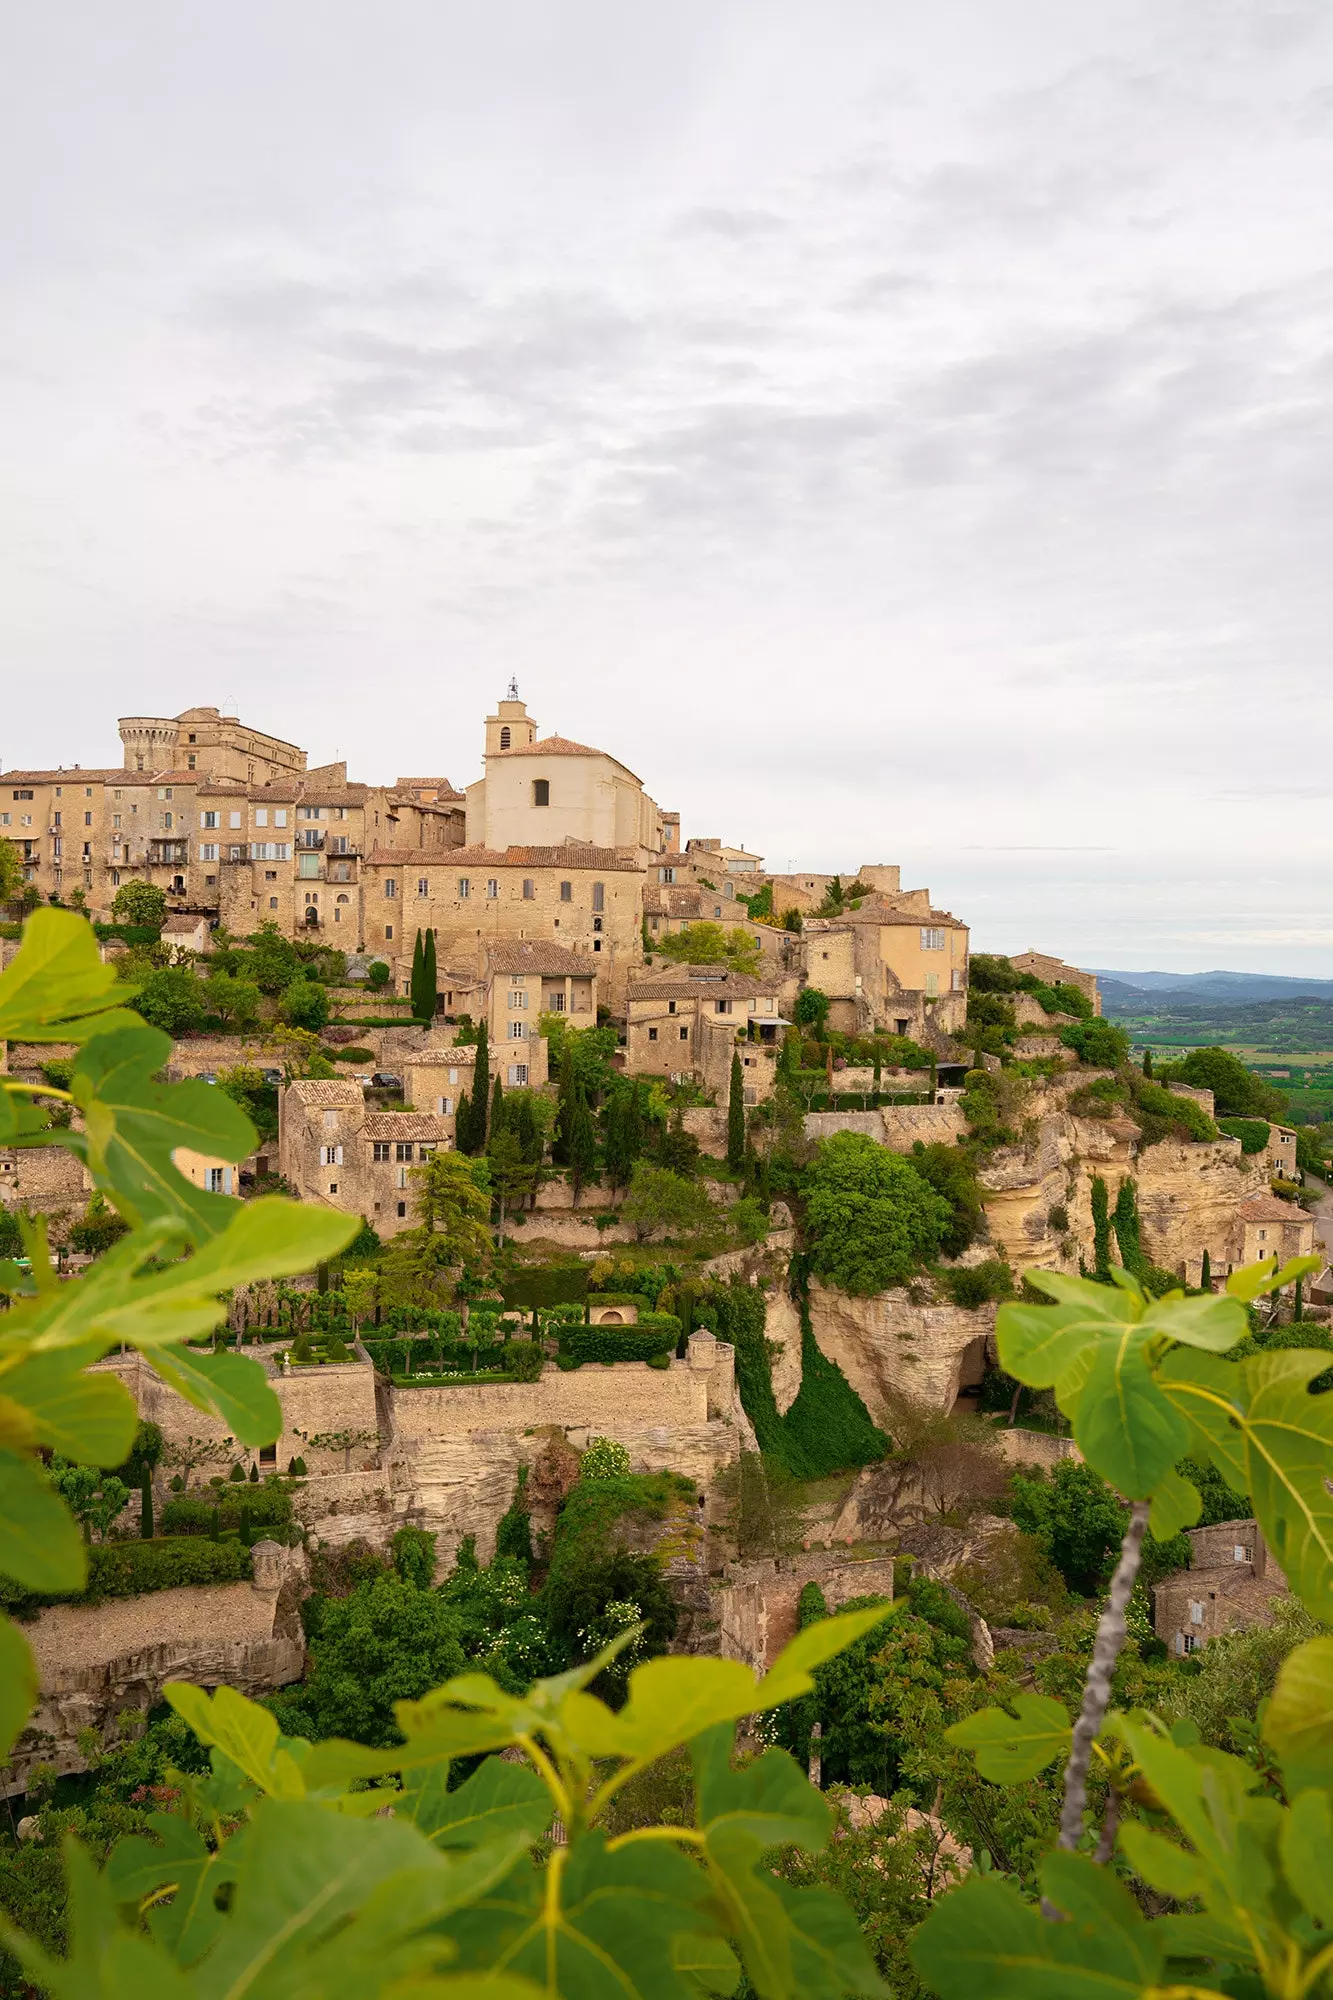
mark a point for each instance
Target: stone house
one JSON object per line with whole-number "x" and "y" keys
{"x": 1280, "y": 1153}
{"x": 1268, "y": 1227}
{"x": 687, "y": 1022}
{"x": 589, "y": 900}
{"x": 900, "y": 969}
{"x": 335, "y": 1151}
{"x": 1230, "y": 1584}
{"x": 716, "y": 855}
{"x": 1054, "y": 972}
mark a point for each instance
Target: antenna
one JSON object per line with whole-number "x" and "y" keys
{"x": 513, "y": 688}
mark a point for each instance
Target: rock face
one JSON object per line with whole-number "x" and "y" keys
{"x": 94, "y": 1661}
{"x": 782, "y": 1329}
{"x": 901, "y": 1345}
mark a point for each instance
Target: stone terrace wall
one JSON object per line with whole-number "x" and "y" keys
{"x": 756, "y": 1605}
{"x": 340, "y": 1396}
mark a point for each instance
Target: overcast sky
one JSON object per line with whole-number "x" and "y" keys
{"x": 897, "y": 432}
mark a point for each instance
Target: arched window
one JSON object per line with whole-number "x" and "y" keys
{"x": 504, "y": 737}
{"x": 541, "y": 791}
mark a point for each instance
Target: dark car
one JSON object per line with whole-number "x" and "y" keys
{"x": 383, "y": 1080}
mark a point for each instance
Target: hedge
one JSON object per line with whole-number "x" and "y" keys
{"x": 1252, "y": 1132}
{"x": 580, "y": 1344}
{"x": 557, "y": 1286}
{"x": 131, "y": 1569}
{"x": 260, "y": 1507}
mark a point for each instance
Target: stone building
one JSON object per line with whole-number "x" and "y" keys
{"x": 895, "y": 964}
{"x": 542, "y": 791}
{"x": 688, "y": 1021}
{"x": 1268, "y": 1227}
{"x": 1280, "y": 1153}
{"x": 202, "y": 739}
{"x": 1230, "y": 1584}
{"x": 335, "y": 1150}
{"x": 1054, "y": 972}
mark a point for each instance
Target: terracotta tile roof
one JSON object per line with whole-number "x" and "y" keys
{"x": 876, "y": 911}
{"x": 403, "y": 1125}
{"x": 558, "y": 746}
{"x": 520, "y": 956}
{"x": 326, "y": 1094}
{"x": 71, "y": 777}
{"x": 605, "y": 860}
{"x": 441, "y": 786}
{"x": 1267, "y": 1208}
{"x": 702, "y": 982}
{"x": 671, "y": 899}
{"x": 183, "y": 924}
{"x": 446, "y": 1056}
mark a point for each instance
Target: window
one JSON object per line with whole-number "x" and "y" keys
{"x": 4, "y": 820}
{"x": 558, "y": 1003}
{"x": 307, "y": 867}
{"x": 261, "y": 815}
{"x": 268, "y": 1454}
{"x": 273, "y": 902}
{"x": 723, "y": 1006}
{"x": 87, "y": 819}
{"x": 517, "y": 1030}
{"x": 666, "y": 874}
{"x": 504, "y": 737}
{"x": 932, "y": 940}
{"x": 87, "y": 791}
{"x": 208, "y": 850}
{"x": 932, "y": 984}
{"x": 599, "y": 896}
{"x": 492, "y": 888}
{"x": 390, "y": 887}
{"x": 279, "y": 815}
{"x": 518, "y": 1073}
{"x": 23, "y": 795}
{"x": 166, "y": 821}
{"x": 402, "y": 1149}
{"x": 423, "y": 885}
{"x": 1242, "y": 1554}
{"x": 652, "y": 1034}
{"x": 684, "y": 1034}
{"x": 189, "y": 761}
{"x": 1196, "y": 1612}
{"x": 566, "y": 892}
{"x": 957, "y": 981}
{"x": 517, "y": 998}
{"x": 402, "y": 1208}
{"x": 192, "y": 737}
{"x": 388, "y": 931}
{"x": 464, "y": 888}
{"x": 330, "y": 1156}
{"x": 233, "y": 819}
{"x": 529, "y": 891}
{"x": 217, "y": 1180}
{"x": 541, "y": 791}
{"x": 379, "y": 1149}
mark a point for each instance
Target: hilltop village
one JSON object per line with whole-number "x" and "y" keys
{"x": 661, "y": 1159}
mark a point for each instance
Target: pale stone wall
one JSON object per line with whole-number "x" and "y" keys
{"x": 590, "y": 1397}
{"x": 782, "y": 1329}
{"x": 756, "y": 1605}
{"x": 1022, "y": 1447}
{"x": 897, "y": 1126}
{"x": 339, "y": 1396}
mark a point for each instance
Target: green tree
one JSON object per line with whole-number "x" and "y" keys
{"x": 11, "y": 874}
{"x": 234, "y": 1001}
{"x": 274, "y": 961}
{"x": 140, "y": 903}
{"x": 513, "y": 1175}
{"x": 473, "y": 1139}
{"x": 581, "y": 1143}
{"x": 1125, "y": 1223}
{"x": 1237, "y": 1091}
{"x": 172, "y": 998}
{"x": 811, "y": 1009}
{"x": 247, "y": 1086}
{"x": 451, "y": 1202}
{"x": 1100, "y": 1044}
{"x": 870, "y": 1217}
{"x": 736, "y": 1116}
{"x": 305, "y": 1004}
{"x": 94, "y": 1498}
{"x": 662, "y": 1202}
{"x": 1101, "y": 1227}
{"x": 1077, "y": 1520}
{"x": 711, "y": 944}
{"x": 378, "y": 975}
{"x": 952, "y": 1173}
{"x": 389, "y": 1641}
{"x": 423, "y": 981}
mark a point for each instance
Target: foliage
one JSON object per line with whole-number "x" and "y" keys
{"x": 660, "y": 1202}
{"x": 423, "y": 981}
{"x": 811, "y": 1009}
{"x": 581, "y": 1344}
{"x": 1252, "y": 1132}
{"x": 172, "y": 998}
{"x": 131, "y": 1568}
{"x": 710, "y": 944}
{"x": 191, "y": 1514}
{"x": 140, "y": 903}
{"x": 305, "y": 1004}
{"x": 1100, "y": 1044}
{"x": 1237, "y": 1091}
{"x": 97, "y": 1228}
{"x": 451, "y": 1204}
{"x": 390, "y": 1641}
{"x": 273, "y": 961}
{"x": 247, "y": 1086}
{"x": 94, "y": 1498}
{"x": 973, "y": 1285}
{"x": 1075, "y": 1519}
{"x": 604, "y": 1459}
{"x": 736, "y": 1115}
{"x": 951, "y": 1171}
{"x": 871, "y": 1218}
{"x": 992, "y": 1103}
{"x": 234, "y": 1001}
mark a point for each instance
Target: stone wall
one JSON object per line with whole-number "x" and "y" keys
{"x": 897, "y": 1126}
{"x": 96, "y": 1660}
{"x": 1022, "y": 1447}
{"x": 339, "y": 1396}
{"x": 756, "y": 1604}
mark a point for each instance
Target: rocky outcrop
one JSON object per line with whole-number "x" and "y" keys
{"x": 94, "y": 1661}
{"x": 782, "y": 1330}
{"x": 900, "y": 1346}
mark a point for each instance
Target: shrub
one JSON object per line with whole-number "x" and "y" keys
{"x": 414, "y": 1556}
{"x": 580, "y": 1344}
{"x": 870, "y": 1216}
{"x": 131, "y": 1569}
{"x": 1163, "y": 1114}
{"x": 1252, "y": 1132}
{"x": 1100, "y": 1044}
{"x": 353, "y": 1055}
{"x": 305, "y": 1004}
{"x": 378, "y": 975}
{"x": 192, "y": 1515}
{"x": 604, "y": 1459}
{"x": 524, "y": 1359}
{"x": 951, "y": 1172}
{"x": 979, "y": 1284}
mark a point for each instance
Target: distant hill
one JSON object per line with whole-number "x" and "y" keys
{"x": 1125, "y": 987}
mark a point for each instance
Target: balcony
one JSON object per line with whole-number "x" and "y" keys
{"x": 168, "y": 853}
{"x": 309, "y": 841}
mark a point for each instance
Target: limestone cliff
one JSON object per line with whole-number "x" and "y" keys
{"x": 900, "y": 1346}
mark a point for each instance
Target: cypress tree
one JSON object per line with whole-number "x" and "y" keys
{"x": 1125, "y": 1223}
{"x": 565, "y": 1112}
{"x": 429, "y": 981}
{"x": 146, "y": 1505}
{"x": 463, "y": 1124}
{"x": 1206, "y": 1274}
{"x": 416, "y": 984}
{"x": 1101, "y": 1229}
{"x": 498, "y": 1119}
{"x": 481, "y": 1086}
{"x": 582, "y": 1143}
{"x": 1147, "y": 1063}
{"x": 736, "y": 1116}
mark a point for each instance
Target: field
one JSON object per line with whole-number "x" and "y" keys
{"x": 1287, "y": 1042}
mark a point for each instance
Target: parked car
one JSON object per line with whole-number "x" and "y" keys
{"x": 271, "y": 1076}
{"x": 383, "y": 1079}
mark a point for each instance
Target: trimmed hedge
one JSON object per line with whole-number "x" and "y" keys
{"x": 236, "y": 1506}
{"x": 580, "y": 1344}
{"x": 1252, "y": 1132}
{"x": 132, "y": 1569}
{"x": 551, "y": 1287}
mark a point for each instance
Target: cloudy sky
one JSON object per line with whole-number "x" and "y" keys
{"x": 898, "y": 432}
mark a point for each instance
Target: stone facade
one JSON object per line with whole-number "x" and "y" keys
{"x": 687, "y": 1021}
{"x": 896, "y": 965}
{"x": 335, "y": 1151}
{"x": 1231, "y": 1584}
